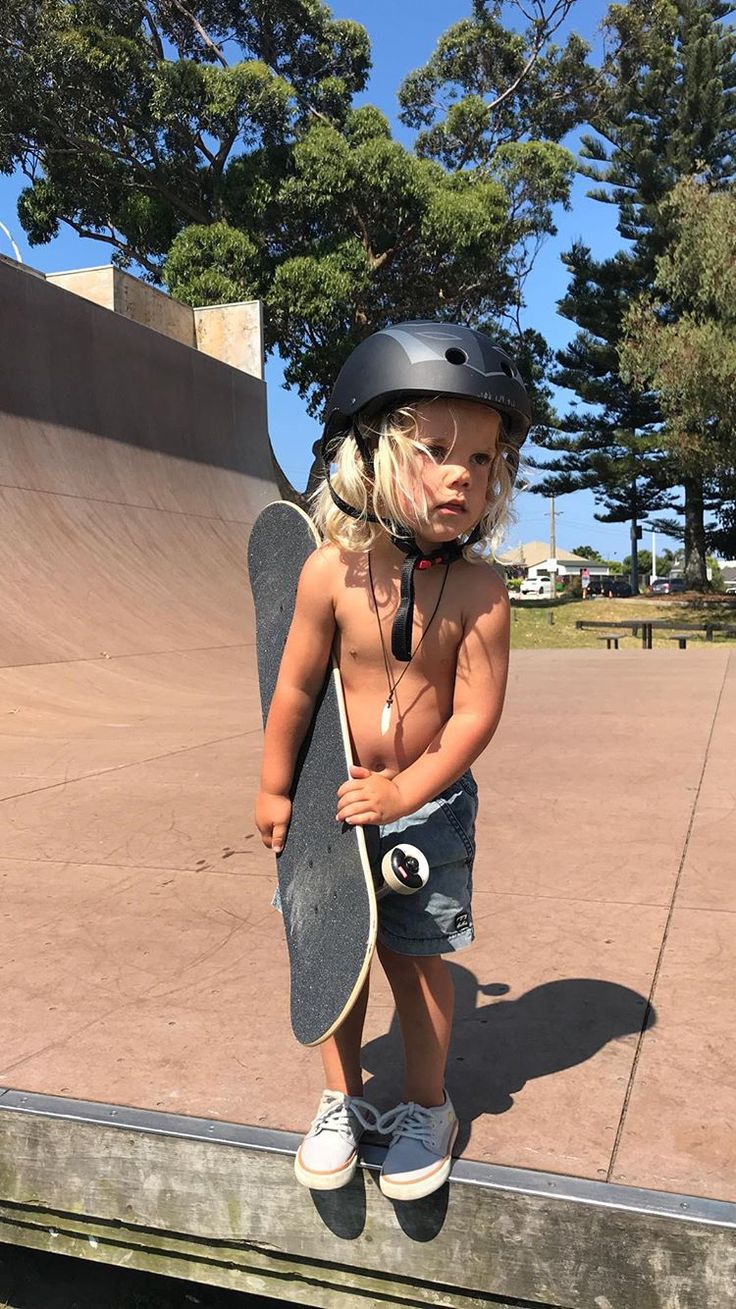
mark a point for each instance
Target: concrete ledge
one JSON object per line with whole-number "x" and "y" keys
{"x": 217, "y": 1202}
{"x": 231, "y": 333}
{"x": 111, "y": 288}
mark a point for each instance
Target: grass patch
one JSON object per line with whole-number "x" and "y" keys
{"x": 531, "y": 628}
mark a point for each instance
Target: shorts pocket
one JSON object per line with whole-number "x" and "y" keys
{"x": 458, "y": 807}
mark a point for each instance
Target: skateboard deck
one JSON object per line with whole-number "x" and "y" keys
{"x": 324, "y": 871}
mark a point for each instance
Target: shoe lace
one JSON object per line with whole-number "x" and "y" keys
{"x": 336, "y": 1117}
{"x": 409, "y": 1120}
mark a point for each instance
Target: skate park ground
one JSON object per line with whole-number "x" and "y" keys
{"x": 143, "y": 968}
{"x": 149, "y": 969}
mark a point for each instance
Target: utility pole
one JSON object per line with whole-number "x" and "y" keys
{"x": 635, "y": 539}
{"x": 553, "y": 543}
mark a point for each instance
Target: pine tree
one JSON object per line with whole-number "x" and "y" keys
{"x": 665, "y": 110}
{"x": 612, "y": 448}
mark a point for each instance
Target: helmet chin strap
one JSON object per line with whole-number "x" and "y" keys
{"x": 403, "y": 624}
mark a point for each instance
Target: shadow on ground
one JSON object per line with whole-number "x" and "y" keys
{"x": 497, "y": 1047}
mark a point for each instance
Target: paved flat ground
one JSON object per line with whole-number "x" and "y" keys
{"x": 147, "y": 967}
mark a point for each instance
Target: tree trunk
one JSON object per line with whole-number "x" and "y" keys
{"x": 634, "y": 574}
{"x": 696, "y": 577}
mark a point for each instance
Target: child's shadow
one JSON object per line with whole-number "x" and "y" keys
{"x": 496, "y": 1048}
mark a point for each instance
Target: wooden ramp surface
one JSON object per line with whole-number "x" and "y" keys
{"x": 141, "y": 963}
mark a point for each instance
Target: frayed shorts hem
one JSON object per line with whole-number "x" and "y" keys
{"x": 425, "y": 947}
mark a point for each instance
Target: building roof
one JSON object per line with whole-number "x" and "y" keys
{"x": 532, "y": 553}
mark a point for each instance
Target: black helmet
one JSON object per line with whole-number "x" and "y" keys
{"x": 415, "y": 361}
{"x": 412, "y": 361}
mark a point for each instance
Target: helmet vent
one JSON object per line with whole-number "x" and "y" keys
{"x": 456, "y": 356}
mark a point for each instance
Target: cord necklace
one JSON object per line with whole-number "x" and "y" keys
{"x": 386, "y": 711}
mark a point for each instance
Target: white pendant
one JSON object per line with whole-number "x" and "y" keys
{"x": 386, "y": 718}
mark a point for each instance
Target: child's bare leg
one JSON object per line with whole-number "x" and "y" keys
{"x": 341, "y": 1052}
{"x": 425, "y": 996}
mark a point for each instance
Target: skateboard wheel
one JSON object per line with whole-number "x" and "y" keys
{"x": 405, "y": 869}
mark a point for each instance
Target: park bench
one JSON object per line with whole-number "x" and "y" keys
{"x": 633, "y": 626}
{"x": 611, "y": 639}
{"x": 647, "y": 626}
{"x": 691, "y": 629}
{"x": 709, "y": 628}
{"x": 681, "y": 638}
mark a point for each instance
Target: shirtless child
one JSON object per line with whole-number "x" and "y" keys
{"x": 422, "y": 435}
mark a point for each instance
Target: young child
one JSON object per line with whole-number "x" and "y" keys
{"x": 423, "y": 433}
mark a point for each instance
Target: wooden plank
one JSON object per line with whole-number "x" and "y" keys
{"x": 239, "y": 1270}
{"x": 234, "y": 1216}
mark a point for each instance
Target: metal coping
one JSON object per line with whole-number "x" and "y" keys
{"x": 496, "y": 1177}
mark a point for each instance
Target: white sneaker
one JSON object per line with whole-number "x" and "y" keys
{"x": 328, "y": 1155}
{"x": 419, "y": 1158}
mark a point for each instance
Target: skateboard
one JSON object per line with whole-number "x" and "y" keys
{"x": 330, "y": 875}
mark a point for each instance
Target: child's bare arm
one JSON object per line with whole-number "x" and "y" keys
{"x": 301, "y": 674}
{"x": 480, "y": 687}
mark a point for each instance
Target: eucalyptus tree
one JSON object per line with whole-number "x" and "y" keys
{"x": 215, "y": 145}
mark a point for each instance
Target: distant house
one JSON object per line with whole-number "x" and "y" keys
{"x": 728, "y": 569}
{"x": 533, "y": 559}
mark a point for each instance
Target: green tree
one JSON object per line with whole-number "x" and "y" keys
{"x": 717, "y": 582}
{"x": 499, "y": 102}
{"x": 610, "y": 447}
{"x": 466, "y": 108}
{"x": 724, "y": 538}
{"x": 665, "y": 108}
{"x": 680, "y": 338}
{"x": 214, "y": 144}
{"x": 644, "y": 560}
{"x": 587, "y": 552}
{"x": 133, "y": 121}
{"x": 669, "y": 561}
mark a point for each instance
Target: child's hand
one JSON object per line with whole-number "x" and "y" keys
{"x": 368, "y": 798}
{"x": 273, "y": 815}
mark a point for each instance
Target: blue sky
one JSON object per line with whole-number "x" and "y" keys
{"x": 402, "y": 37}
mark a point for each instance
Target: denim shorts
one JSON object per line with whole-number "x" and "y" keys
{"x": 438, "y": 919}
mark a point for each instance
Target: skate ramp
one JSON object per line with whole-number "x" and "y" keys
{"x": 130, "y": 469}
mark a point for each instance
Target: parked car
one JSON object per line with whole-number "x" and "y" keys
{"x": 667, "y": 585}
{"x": 613, "y": 586}
{"x": 731, "y": 588}
{"x": 536, "y": 586}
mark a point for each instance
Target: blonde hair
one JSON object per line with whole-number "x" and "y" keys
{"x": 393, "y": 438}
